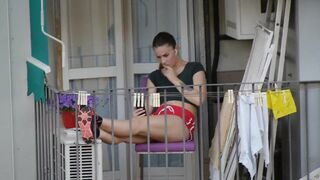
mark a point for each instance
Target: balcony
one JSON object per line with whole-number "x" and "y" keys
{"x": 62, "y": 154}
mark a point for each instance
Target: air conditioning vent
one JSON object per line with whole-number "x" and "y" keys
{"x": 241, "y": 18}
{"x": 83, "y": 161}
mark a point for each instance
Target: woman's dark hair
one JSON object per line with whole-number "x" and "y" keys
{"x": 163, "y": 38}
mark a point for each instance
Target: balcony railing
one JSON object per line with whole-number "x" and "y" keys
{"x": 61, "y": 153}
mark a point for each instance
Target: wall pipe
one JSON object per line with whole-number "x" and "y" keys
{"x": 216, "y": 27}
{"x": 212, "y": 65}
{"x": 50, "y": 36}
{"x": 207, "y": 25}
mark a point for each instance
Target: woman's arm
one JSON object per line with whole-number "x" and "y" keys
{"x": 199, "y": 88}
{"x": 191, "y": 94}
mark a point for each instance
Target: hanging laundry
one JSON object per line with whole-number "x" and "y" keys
{"x": 249, "y": 134}
{"x": 263, "y": 121}
{"x": 221, "y": 135}
{"x": 252, "y": 118}
{"x": 281, "y": 102}
{"x": 253, "y": 129}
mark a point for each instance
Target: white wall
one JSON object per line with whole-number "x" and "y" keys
{"x": 6, "y": 154}
{"x": 302, "y": 64}
{"x": 17, "y": 128}
{"x": 308, "y": 25}
{"x": 234, "y": 55}
{"x": 309, "y": 37}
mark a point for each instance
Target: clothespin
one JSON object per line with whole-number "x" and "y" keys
{"x": 276, "y": 87}
{"x": 230, "y": 96}
{"x": 155, "y": 99}
{"x": 284, "y": 97}
{"x": 158, "y": 99}
{"x": 83, "y": 98}
{"x": 138, "y": 100}
{"x": 259, "y": 95}
{"x": 134, "y": 99}
{"x": 142, "y": 99}
{"x": 246, "y": 92}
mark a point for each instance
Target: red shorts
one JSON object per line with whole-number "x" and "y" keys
{"x": 178, "y": 111}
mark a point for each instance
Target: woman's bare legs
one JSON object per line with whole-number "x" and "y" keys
{"x": 107, "y": 138}
{"x": 176, "y": 129}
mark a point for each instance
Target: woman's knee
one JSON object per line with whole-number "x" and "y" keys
{"x": 139, "y": 126}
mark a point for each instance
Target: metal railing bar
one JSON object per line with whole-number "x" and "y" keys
{"x": 37, "y": 119}
{"x": 166, "y": 134}
{"x": 112, "y": 133}
{"x": 219, "y": 128}
{"x": 77, "y": 143}
{"x": 130, "y": 138}
{"x": 51, "y": 120}
{"x": 201, "y": 135}
{"x": 57, "y": 135}
{"x": 48, "y": 129}
{"x": 95, "y": 135}
{"x": 236, "y": 132}
{"x": 148, "y": 139}
{"x": 307, "y": 129}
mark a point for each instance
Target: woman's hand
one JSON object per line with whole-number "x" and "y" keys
{"x": 168, "y": 72}
{"x": 138, "y": 112}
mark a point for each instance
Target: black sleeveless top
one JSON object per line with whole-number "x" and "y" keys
{"x": 158, "y": 79}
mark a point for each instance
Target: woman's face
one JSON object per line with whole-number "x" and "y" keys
{"x": 166, "y": 55}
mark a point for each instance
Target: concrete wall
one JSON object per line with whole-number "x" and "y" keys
{"x": 17, "y": 109}
{"x": 303, "y": 63}
{"x": 308, "y": 26}
{"x": 234, "y": 54}
{"x": 308, "y": 23}
{"x": 6, "y": 128}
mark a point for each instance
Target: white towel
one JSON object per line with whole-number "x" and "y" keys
{"x": 249, "y": 132}
{"x": 263, "y": 121}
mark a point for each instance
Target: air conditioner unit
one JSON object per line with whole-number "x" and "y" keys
{"x": 82, "y": 161}
{"x": 242, "y": 16}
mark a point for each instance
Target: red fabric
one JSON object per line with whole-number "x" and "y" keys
{"x": 178, "y": 111}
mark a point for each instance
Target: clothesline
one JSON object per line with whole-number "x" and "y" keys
{"x": 234, "y": 86}
{"x": 252, "y": 119}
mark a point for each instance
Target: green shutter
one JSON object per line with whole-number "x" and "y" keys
{"x": 39, "y": 50}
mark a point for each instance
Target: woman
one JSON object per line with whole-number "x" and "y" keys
{"x": 173, "y": 71}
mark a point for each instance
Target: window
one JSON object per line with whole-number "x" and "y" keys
{"x": 149, "y": 18}
{"x": 91, "y": 37}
